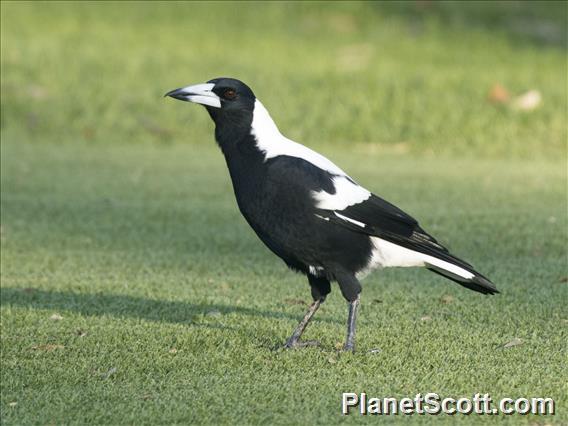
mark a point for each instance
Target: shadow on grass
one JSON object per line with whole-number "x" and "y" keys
{"x": 135, "y": 307}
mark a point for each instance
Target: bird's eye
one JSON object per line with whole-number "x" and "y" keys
{"x": 230, "y": 94}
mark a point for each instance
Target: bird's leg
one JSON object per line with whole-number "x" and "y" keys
{"x": 351, "y": 325}
{"x": 294, "y": 340}
{"x": 320, "y": 287}
{"x": 351, "y": 290}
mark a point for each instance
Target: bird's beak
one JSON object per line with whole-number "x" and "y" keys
{"x": 199, "y": 93}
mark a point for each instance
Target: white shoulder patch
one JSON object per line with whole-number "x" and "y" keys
{"x": 346, "y": 194}
{"x": 273, "y": 143}
{"x": 270, "y": 141}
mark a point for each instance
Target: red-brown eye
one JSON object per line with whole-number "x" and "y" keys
{"x": 229, "y": 94}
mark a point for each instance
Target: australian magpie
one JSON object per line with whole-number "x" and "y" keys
{"x": 309, "y": 212}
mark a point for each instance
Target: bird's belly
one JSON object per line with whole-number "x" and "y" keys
{"x": 310, "y": 244}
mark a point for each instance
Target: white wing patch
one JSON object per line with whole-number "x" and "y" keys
{"x": 346, "y": 194}
{"x": 386, "y": 254}
{"x": 273, "y": 143}
{"x": 348, "y": 219}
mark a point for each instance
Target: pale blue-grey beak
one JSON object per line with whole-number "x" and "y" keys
{"x": 199, "y": 93}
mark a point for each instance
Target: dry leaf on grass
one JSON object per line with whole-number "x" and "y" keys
{"x": 527, "y": 101}
{"x": 56, "y": 317}
{"x": 446, "y": 299}
{"x": 47, "y": 348}
{"x": 498, "y": 94}
{"x": 514, "y": 342}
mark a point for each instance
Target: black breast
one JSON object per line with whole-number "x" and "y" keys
{"x": 275, "y": 197}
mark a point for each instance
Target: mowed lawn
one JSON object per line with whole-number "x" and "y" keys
{"x": 133, "y": 292}
{"x": 171, "y": 309}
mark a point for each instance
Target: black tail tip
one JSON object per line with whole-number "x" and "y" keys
{"x": 478, "y": 283}
{"x": 482, "y": 285}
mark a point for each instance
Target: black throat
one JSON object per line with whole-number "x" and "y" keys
{"x": 244, "y": 160}
{"x": 230, "y": 126}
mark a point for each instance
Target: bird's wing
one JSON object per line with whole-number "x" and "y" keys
{"x": 353, "y": 207}
{"x": 340, "y": 201}
{"x": 338, "y": 197}
{"x": 377, "y": 217}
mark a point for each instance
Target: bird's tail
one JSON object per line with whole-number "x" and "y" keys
{"x": 424, "y": 250}
{"x": 461, "y": 273}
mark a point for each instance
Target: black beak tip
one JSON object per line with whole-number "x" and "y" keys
{"x": 173, "y": 93}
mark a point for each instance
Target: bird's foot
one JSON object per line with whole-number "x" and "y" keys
{"x": 348, "y": 348}
{"x": 297, "y": 344}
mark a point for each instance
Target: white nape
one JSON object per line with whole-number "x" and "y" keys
{"x": 273, "y": 143}
{"x": 270, "y": 141}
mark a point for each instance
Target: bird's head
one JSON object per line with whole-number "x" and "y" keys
{"x": 226, "y": 99}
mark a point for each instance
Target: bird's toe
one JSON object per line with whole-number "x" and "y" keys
{"x": 348, "y": 348}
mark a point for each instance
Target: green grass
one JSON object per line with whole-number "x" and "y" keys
{"x": 344, "y": 73}
{"x": 142, "y": 248}
{"x": 118, "y": 214}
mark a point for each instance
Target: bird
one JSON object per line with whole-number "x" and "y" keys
{"x": 312, "y": 214}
